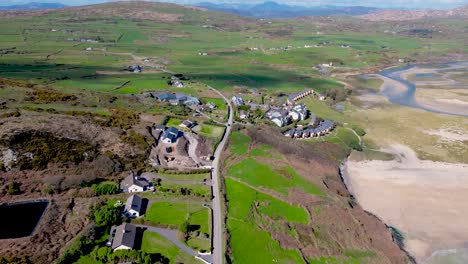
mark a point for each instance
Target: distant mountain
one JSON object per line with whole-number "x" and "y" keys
{"x": 404, "y": 15}
{"x": 33, "y": 6}
{"x": 276, "y": 10}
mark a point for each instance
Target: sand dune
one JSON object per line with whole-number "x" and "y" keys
{"x": 425, "y": 200}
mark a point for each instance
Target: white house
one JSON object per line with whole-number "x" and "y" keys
{"x": 243, "y": 114}
{"x": 132, "y": 183}
{"x": 298, "y": 112}
{"x": 124, "y": 237}
{"x": 237, "y": 100}
{"x": 133, "y": 206}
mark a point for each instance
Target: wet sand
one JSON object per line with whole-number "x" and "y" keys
{"x": 425, "y": 200}
{"x": 399, "y": 90}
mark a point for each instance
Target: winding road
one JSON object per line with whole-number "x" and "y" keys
{"x": 218, "y": 252}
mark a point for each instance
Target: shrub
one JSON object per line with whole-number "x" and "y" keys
{"x": 184, "y": 228}
{"x": 105, "y": 188}
{"x": 14, "y": 188}
{"x": 14, "y": 260}
{"x": 46, "y": 148}
{"x": 355, "y": 145}
{"x": 361, "y": 132}
{"x": 49, "y": 96}
{"x": 135, "y": 139}
{"x": 11, "y": 114}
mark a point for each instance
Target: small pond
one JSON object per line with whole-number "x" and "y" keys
{"x": 20, "y": 219}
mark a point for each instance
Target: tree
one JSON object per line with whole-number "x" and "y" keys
{"x": 103, "y": 254}
{"x": 106, "y": 215}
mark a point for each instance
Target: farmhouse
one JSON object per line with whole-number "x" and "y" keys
{"x": 243, "y": 114}
{"x": 170, "y": 135}
{"x": 124, "y": 237}
{"x": 237, "y": 100}
{"x": 133, "y": 206}
{"x": 211, "y": 106}
{"x": 188, "y": 124}
{"x": 133, "y": 183}
{"x": 135, "y": 68}
{"x": 177, "y": 98}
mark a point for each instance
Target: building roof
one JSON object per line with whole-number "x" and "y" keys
{"x": 165, "y": 96}
{"x": 171, "y": 133}
{"x": 134, "y": 202}
{"x": 132, "y": 179}
{"x": 124, "y": 236}
{"x": 159, "y": 127}
{"x": 187, "y": 123}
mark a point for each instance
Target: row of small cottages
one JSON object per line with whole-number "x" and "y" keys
{"x": 324, "y": 128}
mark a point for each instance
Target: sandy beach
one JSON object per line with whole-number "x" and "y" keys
{"x": 423, "y": 199}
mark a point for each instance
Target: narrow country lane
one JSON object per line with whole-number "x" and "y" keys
{"x": 218, "y": 252}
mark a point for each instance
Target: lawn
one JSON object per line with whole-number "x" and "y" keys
{"x": 186, "y": 177}
{"x": 174, "y": 214}
{"x": 173, "y": 122}
{"x": 281, "y": 179}
{"x": 239, "y": 143}
{"x": 211, "y": 131}
{"x": 219, "y": 102}
{"x": 154, "y": 243}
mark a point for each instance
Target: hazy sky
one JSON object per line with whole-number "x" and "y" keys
{"x": 377, "y": 3}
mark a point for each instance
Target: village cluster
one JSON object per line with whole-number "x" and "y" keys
{"x": 177, "y": 148}
{"x": 291, "y": 112}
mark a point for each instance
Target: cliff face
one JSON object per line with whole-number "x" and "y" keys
{"x": 404, "y": 15}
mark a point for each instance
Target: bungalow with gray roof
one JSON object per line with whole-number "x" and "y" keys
{"x": 124, "y": 237}
{"x": 133, "y": 183}
{"x": 133, "y": 206}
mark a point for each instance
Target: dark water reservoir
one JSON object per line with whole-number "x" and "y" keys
{"x": 20, "y": 219}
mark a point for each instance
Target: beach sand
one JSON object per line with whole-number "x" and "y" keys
{"x": 425, "y": 200}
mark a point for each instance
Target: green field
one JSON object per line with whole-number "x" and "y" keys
{"x": 262, "y": 248}
{"x": 280, "y": 179}
{"x": 239, "y": 143}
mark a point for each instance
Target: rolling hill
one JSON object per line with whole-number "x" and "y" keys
{"x": 404, "y": 15}
{"x": 276, "y": 10}
{"x": 33, "y": 6}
